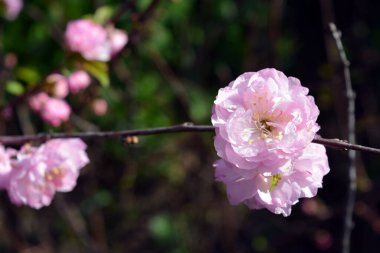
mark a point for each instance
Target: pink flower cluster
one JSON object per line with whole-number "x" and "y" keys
{"x": 54, "y": 109}
{"x": 12, "y": 8}
{"x": 94, "y": 42}
{"x": 33, "y": 175}
{"x": 265, "y": 123}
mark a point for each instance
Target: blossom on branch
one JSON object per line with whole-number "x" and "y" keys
{"x": 278, "y": 192}
{"x": 39, "y": 172}
{"x": 92, "y": 41}
{"x": 51, "y": 104}
{"x": 55, "y": 111}
{"x": 60, "y": 87}
{"x": 264, "y": 122}
{"x": 12, "y": 8}
{"x": 5, "y": 167}
{"x": 78, "y": 81}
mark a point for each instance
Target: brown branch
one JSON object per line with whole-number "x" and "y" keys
{"x": 144, "y": 16}
{"x": 183, "y": 128}
{"x": 350, "y": 94}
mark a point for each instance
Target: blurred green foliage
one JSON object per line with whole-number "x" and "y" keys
{"x": 159, "y": 195}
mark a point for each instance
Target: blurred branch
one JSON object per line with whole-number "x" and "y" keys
{"x": 144, "y": 16}
{"x": 350, "y": 94}
{"x": 76, "y": 222}
{"x": 128, "y": 4}
{"x": 174, "y": 82}
{"x": 185, "y": 127}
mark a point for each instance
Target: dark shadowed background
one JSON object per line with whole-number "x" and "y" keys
{"x": 160, "y": 195}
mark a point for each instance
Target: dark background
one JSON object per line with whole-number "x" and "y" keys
{"x": 160, "y": 195}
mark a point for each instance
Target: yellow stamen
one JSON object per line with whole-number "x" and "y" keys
{"x": 274, "y": 181}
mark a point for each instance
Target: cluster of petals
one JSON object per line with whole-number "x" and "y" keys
{"x": 265, "y": 122}
{"x": 12, "y": 8}
{"x": 53, "y": 108}
{"x": 33, "y": 175}
{"x": 93, "y": 41}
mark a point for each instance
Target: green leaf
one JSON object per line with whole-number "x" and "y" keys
{"x": 160, "y": 227}
{"x": 103, "y": 14}
{"x": 14, "y": 88}
{"x": 27, "y": 74}
{"x": 99, "y": 70}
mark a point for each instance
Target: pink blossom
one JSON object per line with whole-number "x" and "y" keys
{"x": 280, "y": 191}
{"x": 39, "y": 172}
{"x": 78, "y": 80}
{"x": 88, "y": 39}
{"x": 118, "y": 39}
{"x": 12, "y": 8}
{"x": 99, "y": 106}
{"x": 55, "y": 111}
{"x": 37, "y": 101}
{"x": 5, "y": 167}
{"x": 263, "y": 119}
{"x": 59, "y": 84}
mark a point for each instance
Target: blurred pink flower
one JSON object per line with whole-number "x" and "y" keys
{"x": 59, "y": 84}
{"x": 88, "y": 39}
{"x": 78, "y": 81}
{"x": 12, "y": 8}
{"x": 5, "y": 167}
{"x": 55, "y": 111}
{"x": 99, "y": 106}
{"x": 280, "y": 191}
{"x": 118, "y": 39}
{"x": 39, "y": 172}
{"x": 38, "y": 100}
{"x": 262, "y": 120}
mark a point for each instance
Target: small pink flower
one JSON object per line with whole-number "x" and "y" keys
{"x": 263, "y": 119}
{"x": 99, "y": 106}
{"x": 118, "y": 39}
{"x": 88, "y": 39}
{"x": 12, "y": 8}
{"x": 60, "y": 85}
{"x": 280, "y": 191}
{"x": 78, "y": 81}
{"x": 39, "y": 172}
{"x": 37, "y": 101}
{"x": 65, "y": 157}
{"x": 55, "y": 111}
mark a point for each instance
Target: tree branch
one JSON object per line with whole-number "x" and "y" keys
{"x": 350, "y": 94}
{"x": 183, "y": 128}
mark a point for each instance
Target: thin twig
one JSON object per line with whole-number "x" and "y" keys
{"x": 348, "y": 220}
{"x": 185, "y": 127}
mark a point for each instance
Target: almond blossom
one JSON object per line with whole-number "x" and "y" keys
{"x": 60, "y": 87}
{"x": 262, "y": 120}
{"x": 117, "y": 38}
{"x": 78, "y": 81}
{"x": 5, "y": 167}
{"x": 55, "y": 111}
{"x": 39, "y": 172}
{"x": 278, "y": 192}
{"x": 88, "y": 39}
{"x": 265, "y": 123}
{"x": 92, "y": 41}
{"x": 12, "y": 8}
{"x": 100, "y": 106}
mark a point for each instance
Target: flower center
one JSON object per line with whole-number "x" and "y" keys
{"x": 262, "y": 126}
{"x": 274, "y": 181}
{"x": 53, "y": 174}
